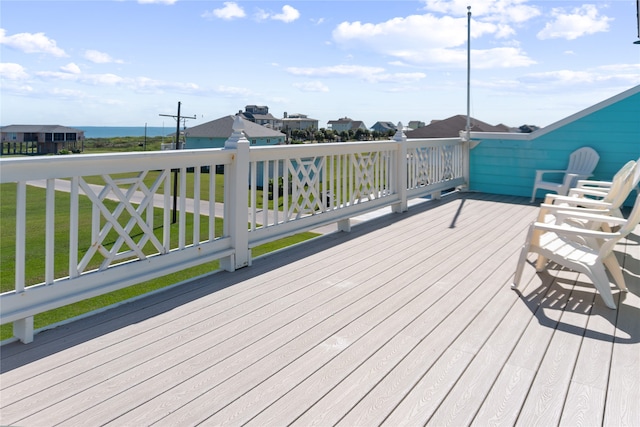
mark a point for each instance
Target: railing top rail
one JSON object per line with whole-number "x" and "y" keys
{"x": 433, "y": 142}
{"x": 46, "y": 167}
{"x": 310, "y": 150}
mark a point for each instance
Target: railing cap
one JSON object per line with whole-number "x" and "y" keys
{"x": 238, "y": 136}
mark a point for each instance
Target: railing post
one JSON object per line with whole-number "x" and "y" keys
{"x": 401, "y": 170}
{"x": 237, "y": 193}
{"x": 22, "y": 328}
{"x": 465, "y": 136}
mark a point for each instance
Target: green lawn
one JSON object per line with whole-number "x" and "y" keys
{"x": 35, "y": 245}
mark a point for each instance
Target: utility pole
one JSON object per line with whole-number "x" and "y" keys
{"x": 175, "y": 171}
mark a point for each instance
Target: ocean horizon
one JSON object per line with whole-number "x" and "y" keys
{"x": 121, "y": 131}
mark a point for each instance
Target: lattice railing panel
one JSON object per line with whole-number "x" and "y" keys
{"x": 305, "y": 175}
{"x": 123, "y": 219}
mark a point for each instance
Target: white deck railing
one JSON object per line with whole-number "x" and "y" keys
{"x": 131, "y": 202}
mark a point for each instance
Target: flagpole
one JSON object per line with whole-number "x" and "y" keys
{"x": 468, "y": 129}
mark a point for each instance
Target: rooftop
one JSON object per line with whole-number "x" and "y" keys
{"x": 407, "y": 319}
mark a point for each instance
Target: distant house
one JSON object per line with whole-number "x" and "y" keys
{"x": 213, "y": 134}
{"x": 298, "y": 121}
{"x": 346, "y": 124}
{"x": 527, "y": 128}
{"x": 415, "y": 124}
{"x": 260, "y": 114}
{"x": 452, "y": 126}
{"x": 40, "y": 139}
{"x": 384, "y": 127}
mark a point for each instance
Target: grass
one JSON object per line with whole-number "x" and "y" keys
{"x": 35, "y": 257}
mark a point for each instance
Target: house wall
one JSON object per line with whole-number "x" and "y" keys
{"x": 507, "y": 163}
{"x": 198, "y": 143}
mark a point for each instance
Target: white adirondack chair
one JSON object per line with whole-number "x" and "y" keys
{"x": 599, "y": 197}
{"x": 582, "y": 250}
{"x": 602, "y": 188}
{"x": 582, "y": 162}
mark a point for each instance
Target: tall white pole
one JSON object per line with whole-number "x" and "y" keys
{"x": 468, "y": 72}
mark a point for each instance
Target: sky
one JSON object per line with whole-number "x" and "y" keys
{"x": 126, "y": 62}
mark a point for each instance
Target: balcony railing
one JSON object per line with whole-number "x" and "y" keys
{"x": 278, "y": 191}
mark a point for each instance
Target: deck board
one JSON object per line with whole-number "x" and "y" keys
{"x": 408, "y": 319}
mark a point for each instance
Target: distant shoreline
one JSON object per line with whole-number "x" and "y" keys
{"x": 124, "y": 131}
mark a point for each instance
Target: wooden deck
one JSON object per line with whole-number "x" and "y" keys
{"x": 407, "y": 320}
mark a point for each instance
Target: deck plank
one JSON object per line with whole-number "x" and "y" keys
{"x": 623, "y": 390}
{"x": 302, "y": 367}
{"x": 408, "y": 319}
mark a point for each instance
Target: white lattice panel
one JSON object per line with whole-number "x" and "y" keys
{"x": 104, "y": 220}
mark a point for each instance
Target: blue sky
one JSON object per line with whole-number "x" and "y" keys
{"x": 125, "y": 62}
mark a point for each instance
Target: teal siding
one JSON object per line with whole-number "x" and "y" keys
{"x": 508, "y": 166}
{"x": 197, "y": 143}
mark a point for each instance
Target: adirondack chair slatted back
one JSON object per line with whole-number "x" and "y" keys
{"x": 632, "y": 221}
{"x": 622, "y": 184}
{"x": 583, "y": 161}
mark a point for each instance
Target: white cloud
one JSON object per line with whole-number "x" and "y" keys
{"x": 32, "y": 43}
{"x": 368, "y": 74}
{"x": 336, "y": 70}
{"x": 430, "y": 40}
{"x": 626, "y": 74}
{"x": 11, "y": 71}
{"x": 98, "y": 57}
{"x": 580, "y": 21}
{"x": 230, "y": 11}
{"x": 315, "y": 86}
{"x": 148, "y": 85}
{"x": 412, "y": 32}
{"x": 91, "y": 79}
{"x": 500, "y": 57}
{"x": 71, "y": 68}
{"x": 288, "y": 14}
{"x": 503, "y": 11}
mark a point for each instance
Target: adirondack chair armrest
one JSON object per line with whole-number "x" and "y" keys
{"x": 566, "y": 230}
{"x": 569, "y": 177}
{"x": 590, "y": 216}
{"x": 576, "y": 201}
{"x": 541, "y": 172}
{"x": 552, "y": 209}
{"x": 584, "y": 191}
{"x": 588, "y": 183}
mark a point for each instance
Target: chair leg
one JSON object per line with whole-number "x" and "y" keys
{"x": 601, "y": 282}
{"x": 533, "y": 195}
{"x": 611, "y": 262}
{"x": 541, "y": 263}
{"x": 522, "y": 259}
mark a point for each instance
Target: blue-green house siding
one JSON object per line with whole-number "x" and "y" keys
{"x": 198, "y": 142}
{"x": 506, "y": 163}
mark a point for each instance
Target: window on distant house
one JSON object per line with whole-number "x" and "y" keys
{"x": 253, "y": 142}
{"x": 268, "y": 141}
